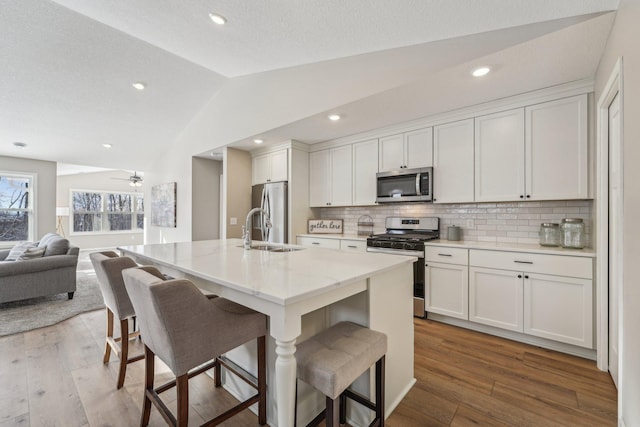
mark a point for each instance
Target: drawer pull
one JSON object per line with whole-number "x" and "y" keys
{"x": 352, "y": 246}
{"x": 315, "y": 243}
{"x": 445, "y": 255}
{"x": 523, "y": 262}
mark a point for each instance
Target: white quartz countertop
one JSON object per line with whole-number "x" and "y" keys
{"x": 513, "y": 247}
{"x": 335, "y": 236}
{"x": 280, "y": 277}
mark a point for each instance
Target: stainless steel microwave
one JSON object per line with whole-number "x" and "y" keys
{"x": 405, "y": 185}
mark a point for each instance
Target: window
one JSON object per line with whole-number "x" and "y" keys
{"x": 17, "y": 220}
{"x": 107, "y": 212}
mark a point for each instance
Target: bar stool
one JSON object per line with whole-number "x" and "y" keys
{"x": 333, "y": 359}
{"x": 189, "y": 332}
{"x": 108, "y": 266}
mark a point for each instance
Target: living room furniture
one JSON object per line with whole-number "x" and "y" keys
{"x": 189, "y": 332}
{"x": 50, "y": 274}
{"x": 333, "y": 359}
{"x": 108, "y": 266}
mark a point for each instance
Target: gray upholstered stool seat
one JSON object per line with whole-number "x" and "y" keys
{"x": 333, "y": 359}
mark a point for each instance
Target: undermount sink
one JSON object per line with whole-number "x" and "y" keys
{"x": 273, "y": 248}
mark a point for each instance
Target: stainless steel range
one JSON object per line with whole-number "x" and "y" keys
{"x": 406, "y": 236}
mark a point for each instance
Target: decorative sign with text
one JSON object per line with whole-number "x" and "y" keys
{"x": 325, "y": 226}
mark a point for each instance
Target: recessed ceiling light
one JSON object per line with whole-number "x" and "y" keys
{"x": 258, "y": 141}
{"x": 107, "y": 145}
{"x": 20, "y": 144}
{"x": 480, "y": 71}
{"x": 139, "y": 85}
{"x": 218, "y": 19}
{"x": 334, "y": 117}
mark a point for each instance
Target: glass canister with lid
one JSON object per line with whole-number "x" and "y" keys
{"x": 572, "y": 233}
{"x": 549, "y": 234}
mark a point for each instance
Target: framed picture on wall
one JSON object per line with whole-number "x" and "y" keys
{"x": 163, "y": 205}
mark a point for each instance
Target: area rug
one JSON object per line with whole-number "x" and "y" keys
{"x": 33, "y": 313}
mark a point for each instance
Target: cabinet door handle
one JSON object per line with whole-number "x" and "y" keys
{"x": 445, "y": 255}
{"x": 522, "y": 196}
{"x": 315, "y": 243}
{"x": 528, "y": 196}
{"x": 526, "y": 277}
{"x": 523, "y": 262}
{"x": 519, "y": 276}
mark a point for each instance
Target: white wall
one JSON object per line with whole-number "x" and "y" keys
{"x": 172, "y": 166}
{"x": 46, "y": 189}
{"x": 100, "y": 181}
{"x": 624, "y": 41}
{"x": 205, "y": 207}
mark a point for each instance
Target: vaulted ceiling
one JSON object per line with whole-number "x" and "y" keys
{"x": 274, "y": 70}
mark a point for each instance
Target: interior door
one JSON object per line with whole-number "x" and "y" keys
{"x": 615, "y": 233}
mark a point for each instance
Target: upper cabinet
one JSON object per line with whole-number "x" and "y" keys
{"x": 330, "y": 177}
{"x": 556, "y": 149}
{"x": 533, "y": 153}
{"x": 270, "y": 167}
{"x": 453, "y": 162}
{"x": 499, "y": 156}
{"x": 365, "y": 167}
{"x": 407, "y": 150}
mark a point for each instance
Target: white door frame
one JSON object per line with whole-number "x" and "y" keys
{"x": 611, "y": 89}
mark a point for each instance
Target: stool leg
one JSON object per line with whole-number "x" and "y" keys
{"x": 343, "y": 408}
{"x": 148, "y": 385}
{"x": 333, "y": 412}
{"x": 380, "y": 390}
{"x": 182, "y": 384}
{"x": 124, "y": 351}
{"x": 262, "y": 380}
{"x": 107, "y": 347}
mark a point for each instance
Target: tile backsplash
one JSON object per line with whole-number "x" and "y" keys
{"x": 511, "y": 222}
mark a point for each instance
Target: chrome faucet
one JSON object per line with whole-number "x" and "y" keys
{"x": 246, "y": 228}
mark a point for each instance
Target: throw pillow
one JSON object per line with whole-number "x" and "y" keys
{"x": 32, "y": 253}
{"x": 18, "y": 250}
{"x": 58, "y": 246}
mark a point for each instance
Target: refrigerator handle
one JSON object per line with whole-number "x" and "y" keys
{"x": 266, "y": 231}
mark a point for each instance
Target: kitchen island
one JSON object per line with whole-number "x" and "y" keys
{"x": 302, "y": 291}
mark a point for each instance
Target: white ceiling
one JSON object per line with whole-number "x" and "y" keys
{"x": 68, "y": 65}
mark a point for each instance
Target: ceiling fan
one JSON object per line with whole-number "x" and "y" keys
{"x": 135, "y": 180}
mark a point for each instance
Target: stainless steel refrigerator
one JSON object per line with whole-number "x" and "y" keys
{"x": 272, "y": 197}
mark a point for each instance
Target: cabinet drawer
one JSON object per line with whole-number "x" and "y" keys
{"x": 316, "y": 242}
{"x": 353, "y": 245}
{"x": 446, "y": 255}
{"x": 560, "y": 265}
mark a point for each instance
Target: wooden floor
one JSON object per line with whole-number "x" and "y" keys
{"x": 55, "y": 377}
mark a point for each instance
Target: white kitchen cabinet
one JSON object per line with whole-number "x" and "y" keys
{"x": 407, "y": 150}
{"x": 333, "y": 242}
{"x": 556, "y": 149}
{"x": 496, "y": 298}
{"x": 365, "y": 167}
{"x": 453, "y": 162}
{"x": 559, "y": 308}
{"x": 270, "y": 167}
{"x": 447, "y": 282}
{"x": 319, "y": 242}
{"x": 319, "y": 178}
{"x": 499, "y": 156}
{"x": 549, "y": 296}
{"x": 330, "y": 177}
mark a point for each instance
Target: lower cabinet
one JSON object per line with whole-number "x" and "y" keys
{"x": 446, "y": 289}
{"x": 552, "y": 306}
{"x": 496, "y": 298}
{"x": 559, "y": 308}
{"x": 355, "y": 245}
{"x": 447, "y": 281}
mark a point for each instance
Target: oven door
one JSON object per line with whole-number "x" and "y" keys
{"x": 418, "y": 276}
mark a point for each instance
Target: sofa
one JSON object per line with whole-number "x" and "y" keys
{"x": 42, "y": 268}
